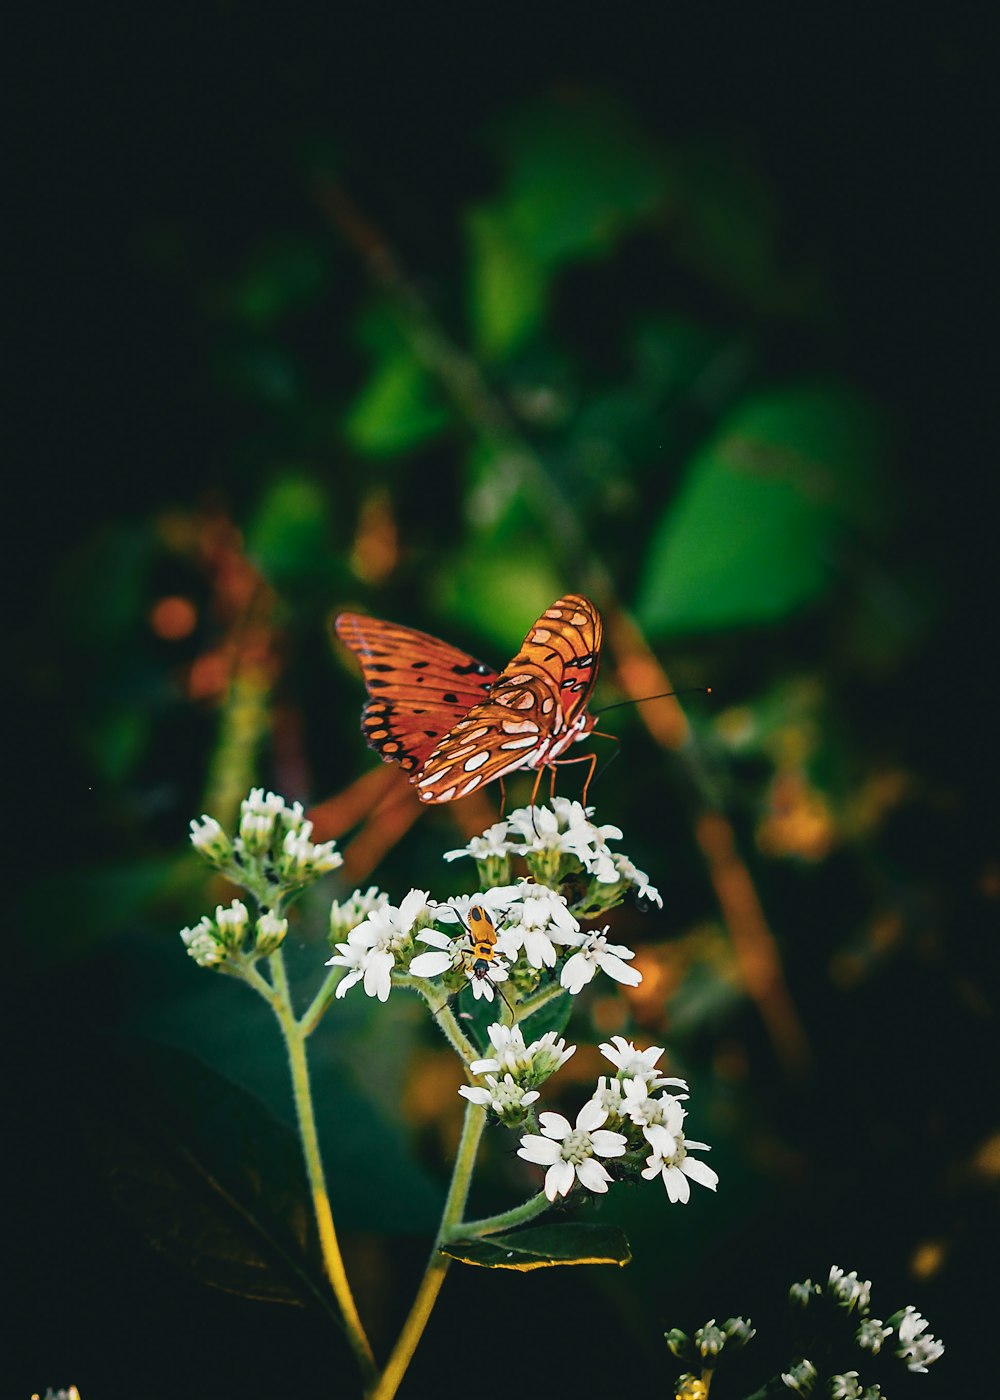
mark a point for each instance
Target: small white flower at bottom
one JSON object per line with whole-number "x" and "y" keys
{"x": 571, "y": 1153}
{"x": 596, "y": 954}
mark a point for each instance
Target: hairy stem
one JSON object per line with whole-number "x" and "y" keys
{"x": 506, "y": 1220}
{"x": 332, "y": 1259}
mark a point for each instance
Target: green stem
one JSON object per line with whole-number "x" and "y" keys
{"x": 332, "y": 1259}
{"x": 445, "y": 1017}
{"x": 437, "y": 1265}
{"x": 506, "y": 1220}
{"x": 317, "y": 1008}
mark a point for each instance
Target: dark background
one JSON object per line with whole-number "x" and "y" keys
{"x": 187, "y": 340}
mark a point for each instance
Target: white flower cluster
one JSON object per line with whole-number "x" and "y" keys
{"x": 628, "y": 1101}
{"x": 214, "y": 942}
{"x": 914, "y": 1346}
{"x": 523, "y": 1068}
{"x": 532, "y": 925}
{"x": 379, "y": 943}
{"x": 274, "y": 845}
{"x": 544, "y": 836}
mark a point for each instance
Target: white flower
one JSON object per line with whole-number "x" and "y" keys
{"x": 493, "y": 842}
{"x": 494, "y": 901}
{"x": 917, "y": 1350}
{"x": 570, "y": 1153}
{"x": 377, "y": 940}
{"x": 661, "y": 1119}
{"x": 639, "y": 878}
{"x": 670, "y": 1159}
{"x": 848, "y": 1289}
{"x": 595, "y": 953}
{"x": 505, "y": 1097}
{"x": 299, "y": 858}
{"x": 537, "y": 919}
{"x": 531, "y": 1064}
{"x": 638, "y": 1064}
{"x": 566, "y": 828}
{"x": 609, "y": 1095}
{"x": 353, "y": 957}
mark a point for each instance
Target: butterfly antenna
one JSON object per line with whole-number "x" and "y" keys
{"x": 641, "y": 700}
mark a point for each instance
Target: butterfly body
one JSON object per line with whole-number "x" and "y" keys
{"x": 452, "y": 722}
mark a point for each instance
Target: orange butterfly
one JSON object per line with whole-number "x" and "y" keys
{"x": 452, "y": 723}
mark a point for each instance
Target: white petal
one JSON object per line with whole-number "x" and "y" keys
{"x": 554, "y": 1125}
{"x": 700, "y": 1172}
{"x": 481, "y": 1096}
{"x": 608, "y": 1144}
{"x": 559, "y": 1179}
{"x": 621, "y": 972}
{"x": 484, "y": 1066}
{"x": 577, "y": 973}
{"x": 482, "y": 987}
{"x": 378, "y": 975}
{"x": 529, "y": 1097}
{"x": 542, "y": 1151}
{"x": 591, "y": 1116}
{"x": 430, "y": 964}
{"x": 411, "y": 906}
{"x": 593, "y": 1175}
{"x": 435, "y": 938}
{"x": 677, "y": 1184}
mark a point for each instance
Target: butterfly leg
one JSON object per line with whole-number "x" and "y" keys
{"x": 503, "y": 798}
{"x": 534, "y": 795}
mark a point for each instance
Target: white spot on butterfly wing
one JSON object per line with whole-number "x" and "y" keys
{"x": 476, "y": 761}
{"x": 527, "y": 743}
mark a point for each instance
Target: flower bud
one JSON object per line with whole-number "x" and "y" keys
{"x": 801, "y": 1377}
{"x": 202, "y": 944}
{"x": 710, "y": 1340}
{"x": 739, "y": 1331}
{"x": 871, "y": 1334}
{"x": 232, "y": 925}
{"x": 849, "y": 1291}
{"x": 845, "y": 1387}
{"x": 690, "y": 1387}
{"x": 801, "y": 1294}
{"x": 270, "y": 933}
{"x": 210, "y": 841}
{"x": 678, "y": 1342}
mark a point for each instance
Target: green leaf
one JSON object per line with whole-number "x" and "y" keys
{"x": 498, "y": 588}
{"x": 581, "y": 173}
{"x": 755, "y": 531}
{"x": 212, "y": 1180}
{"x": 399, "y": 407}
{"x": 553, "y": 1016}
{"x": 507, "y": 284}
{"x": 544, "y": 1247}
{"x": 289, "y": 534}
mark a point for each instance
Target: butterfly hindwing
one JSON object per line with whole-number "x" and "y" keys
{"x": 418, "y": 686}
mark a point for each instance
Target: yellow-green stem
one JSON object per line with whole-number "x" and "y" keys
{"x": 437, "y": 1265}
{"x": 332, "y": 1258}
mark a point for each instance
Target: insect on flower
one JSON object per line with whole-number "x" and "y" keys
{"x": 480, "y": 956}
{"x": 453, "y": 723}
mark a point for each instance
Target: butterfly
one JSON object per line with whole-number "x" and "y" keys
{"x": 453, "y": 723}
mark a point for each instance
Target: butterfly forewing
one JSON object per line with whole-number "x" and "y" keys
{"x": 418, "y": 686}
{"x": 536, "y": 708}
